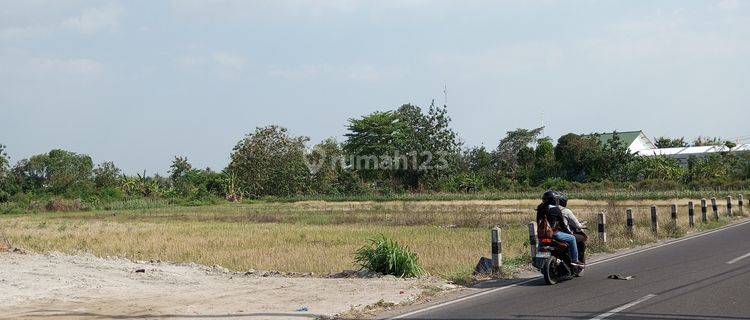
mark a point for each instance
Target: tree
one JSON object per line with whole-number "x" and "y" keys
{"x": 179, "y": 168}
{"x": 269, "y": 161}
{"x": 702, "y": 141}
{"x": 575, "y": 154}
{"x": 664, "y": 142}
{"x": 5, "y": 180}
{"x": 655, "y": 168}
{"x": 412, "y": 148}
{"x": 509, "y": 147}
{"x": 58, "y": 172}
{"x": 107, "y": 175}
{"x": 327, "y": 159}
{"x": 545, "y": 166}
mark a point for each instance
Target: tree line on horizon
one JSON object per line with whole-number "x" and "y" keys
{"x": 271, "y": 162}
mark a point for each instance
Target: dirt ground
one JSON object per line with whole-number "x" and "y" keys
{"x": 59, "y": 286}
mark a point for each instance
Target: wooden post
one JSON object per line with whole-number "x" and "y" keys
{"x": 532, "y": 238}
{"x": 654, "y": 220}
{"x": 602, "y": 227}
{"x": 729, "y": 206}
{"x": 497, "y": 249}
{"x": 715, "y": 208}
{"x": 629, "y": 222}
{"x": 691, "y": 214}
{"x": 704, "y": 211}
{"x": 741, "y": 204}
{"x": 673, "y": 213}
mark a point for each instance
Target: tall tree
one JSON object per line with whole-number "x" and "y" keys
{"x": 269, "y": 161}
{"x": 664, "y": 142}
{"x": 511, "y": 145}
{"x": 58, "y": 171}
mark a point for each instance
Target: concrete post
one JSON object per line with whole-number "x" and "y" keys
{"x": 691, "y": 214}
{"x": 729, "y": 206}
{"x": 715, "y": 209}
{"x": 741, "y": 204}
{"x": 602, "y": 227}
{"x": 673, "y": 213}
{"x": 497, "y": 249}
{"x": 532, "y": 238}
{"x": 654, "y": 220}
{"x": 704, "y": 211}
{"x": 629, "y": 222}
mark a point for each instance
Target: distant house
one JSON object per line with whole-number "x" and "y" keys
{"x": 682, "y": 154}
{"x": 636, "y": 141}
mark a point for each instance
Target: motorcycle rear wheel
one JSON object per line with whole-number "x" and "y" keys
{"x": 549, "y": 271}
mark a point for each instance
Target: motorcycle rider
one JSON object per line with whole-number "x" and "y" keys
{"x": 575, "y": 226}
{"x": 550, "y": 209}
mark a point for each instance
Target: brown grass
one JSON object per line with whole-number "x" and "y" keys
{"x": 449, "y": 237}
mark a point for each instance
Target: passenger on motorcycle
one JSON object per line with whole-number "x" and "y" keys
{"x": 575, "y": 226}
{"x": 551, "y": 210}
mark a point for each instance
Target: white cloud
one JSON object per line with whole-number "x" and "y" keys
{"x": 229, "y": 60}
{"x": 92, "y": 20}
{"x": 60, "y": 66}
{"x": 728, "y": 5}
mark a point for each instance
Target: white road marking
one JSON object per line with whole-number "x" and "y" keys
{"x": 479, "y": 294}
{"x": 623, "y": 307}
{"x": 738, "y": 258}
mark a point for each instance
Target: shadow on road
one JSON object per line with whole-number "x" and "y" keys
{"x": 66, "y": 314}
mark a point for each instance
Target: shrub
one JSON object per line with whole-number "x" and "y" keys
{"x": 387, "y": 256}
{"x": 63, "y": 205}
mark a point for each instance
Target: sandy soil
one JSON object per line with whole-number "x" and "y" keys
{"x": 62, "y": 286}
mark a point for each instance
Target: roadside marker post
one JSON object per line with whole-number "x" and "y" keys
{"x": 602, "y": 227}
{"x": 704, "y": 211}
{"x": 741, "y": 204}
{"x": 497, "y": 249}
{"x": 673, "y": 213}
{"x": 729, "y": 206}
{"x": 654, "y": 220}
{"x": 715, "y": 208}
{"x": 629, "y": 222}
{"x": 532, "y": 238}
{"x": 691, "y": 214}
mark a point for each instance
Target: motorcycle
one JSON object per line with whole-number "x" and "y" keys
{"x": 553, "y": 260}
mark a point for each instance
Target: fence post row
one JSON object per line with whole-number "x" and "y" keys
{"x": 673, "y": 213}
{"x": 497, "y": 249}
{"x": 629, "y": 221}
{"x": 715, "y": 208}
{"x": 741, "y": 204}
{"x": 532, "y": 238}
{"x": 654, "y": 220}
{"x": 601, "y": 227}
{"x": 729, "y": 206}
{"x": 704, "y": 211}
{"x": 691, "y": 214}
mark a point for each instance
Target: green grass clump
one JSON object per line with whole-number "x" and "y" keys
{"x": 387, "y": 256}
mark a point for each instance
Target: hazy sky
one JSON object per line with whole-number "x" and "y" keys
{"x": 138, "y": 82}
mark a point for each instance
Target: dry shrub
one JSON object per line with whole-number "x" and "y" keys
{"x": 64, "y": 205}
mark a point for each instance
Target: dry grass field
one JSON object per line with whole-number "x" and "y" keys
{"x": 320, "y": 237}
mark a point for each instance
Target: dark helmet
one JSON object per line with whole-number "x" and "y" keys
{"x": 563, "y": 199}
{"x": 550, "y": 196}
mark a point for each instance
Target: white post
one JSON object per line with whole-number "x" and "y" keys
{"x": 741, "y": 203}
{"x": 729, "y": 206}
{"x": 629, "y": 222}
{"x": 704, "y": 211}
{"x": 673, "y": 213}
{"x": 654, "y": 220}
{"x": 532, "y": 238}
{"x": 715, "y": 208}
{"x": 497, "y": 249}
{"x": 602, "y": 227}
{"x": 691, "y": 214}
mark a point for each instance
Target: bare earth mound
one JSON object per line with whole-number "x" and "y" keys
{"x": 64, "y": 286}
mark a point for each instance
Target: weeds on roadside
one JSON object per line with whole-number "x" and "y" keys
{"x": 387, "y": 256}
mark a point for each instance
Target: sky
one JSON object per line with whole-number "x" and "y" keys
{"x": 138, "y": 82}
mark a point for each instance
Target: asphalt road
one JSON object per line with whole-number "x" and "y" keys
{"x": 702, "y": 277}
